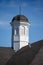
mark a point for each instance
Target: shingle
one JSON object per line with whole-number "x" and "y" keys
{"x": 25, "y": 56}
{"x": 5, "y": 54}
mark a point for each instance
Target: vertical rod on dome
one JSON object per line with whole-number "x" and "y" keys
{"x": 20, "y": 9}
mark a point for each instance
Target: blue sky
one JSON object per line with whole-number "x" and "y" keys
{"x": 32, "y": 9}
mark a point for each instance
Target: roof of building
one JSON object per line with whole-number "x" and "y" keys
{"x": 5, "y": 54}
{"x": 25, "y": 56}
{"x": 20, "y": 17}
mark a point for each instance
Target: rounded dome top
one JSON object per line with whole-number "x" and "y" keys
{"x": 20, "y": 17}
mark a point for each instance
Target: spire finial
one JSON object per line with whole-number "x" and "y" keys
{"x": 20, "y": 9}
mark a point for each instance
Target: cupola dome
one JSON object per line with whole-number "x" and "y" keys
{"x": 20, "y": 18}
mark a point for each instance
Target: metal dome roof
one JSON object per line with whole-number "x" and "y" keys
{"x": 20, "y": 17}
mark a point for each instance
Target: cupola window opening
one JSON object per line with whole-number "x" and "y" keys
{"x": 16, "y": 31}
{"x": 26, "y": 31}
{"x": 22, "y": 30}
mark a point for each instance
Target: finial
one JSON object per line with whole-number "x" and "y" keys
{"x": 20, "y": 9}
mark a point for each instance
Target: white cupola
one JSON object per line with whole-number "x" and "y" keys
{"x": 20, "y": 32}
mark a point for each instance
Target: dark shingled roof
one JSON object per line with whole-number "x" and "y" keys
{"x": 5, "y": 54}
{"x": 20, "y": 17}
{"x": 25, "y": 56}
